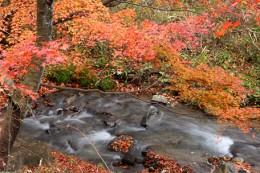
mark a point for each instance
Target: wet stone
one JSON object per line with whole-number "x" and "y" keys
{"x": 128, "y": 159}
{"x": 50, "y": 113}
{"x": 238, "y": 159}
{"x": 225, "y": 167}
{"x": 70, "y": 99}
{"x": 112, "y": 121}
{"x": 151, "y": 169}
{"x": 138, "y": 160}
{"x": 242, "y": 171}
{"x": 160, "y": 163}
{"x": 53, "y": 130}
{"x": 144, "y": 153}
{"x": 116, "y": 163}
{"x": 152, "y": 111}
{"x": 75, "y": 109}
{"x": 122, "y": 143}
{"x": 59, "y": 111}
{"x": 252, "y": 164}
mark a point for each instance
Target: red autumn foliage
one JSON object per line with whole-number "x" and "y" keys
{"x": 163, "y": 163}
{"x": 122, "y": 143}
{"x": 225, "y": 27}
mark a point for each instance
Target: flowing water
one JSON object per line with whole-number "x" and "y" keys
{"x": 76, "y": 122}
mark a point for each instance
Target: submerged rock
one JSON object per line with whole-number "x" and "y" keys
{"x": 238, "y": 159}
{"x": 228, "y": 165}
{"x": 128, "y": 159}
{"x": 112, "y": 121}
{"x": 75, "y": 109}
{"x": 59, "y": 111}
{"x": 225, "y": 167}
{"x": 52, "y": 130}
{"x": 109, "y": 119}
{"x": 152, "y": 111}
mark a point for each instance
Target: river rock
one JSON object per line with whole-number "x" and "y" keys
{"x": 238, "y": 159}
{"x": 122, "y": 143}
{"x": 117, "y": 163}
{"x": 159, "y": 163}
{"x": 138, "y": 160}
{"x": 160, "y": 99}
{"x": 152, "y": 111}
{"x": 225, "y": 167}
{"x": 70, "y": 99}
{"x": 50, "y": 113}
{"x": 52, "y": 130}
{"x": 128, "y": 159}
{"x": 59, "y": 111}
{"x": 151, "y": 169}
{"x": 75, "y": 109}
{"x": 112, "y": 121}
{"x": 109, "y": 119}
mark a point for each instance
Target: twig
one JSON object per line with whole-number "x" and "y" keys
{"x": 9, "y": 34}
{"x": 98, "y": 90}
{"x": 71, "y": 16}
{"x": 253, "y": 41}
{"x": 155, "y": 8}
{"x": 252, "y": 30}
{"x": 93, "y": 145}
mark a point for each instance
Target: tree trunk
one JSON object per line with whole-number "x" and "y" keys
{"x": 11, "y": 119}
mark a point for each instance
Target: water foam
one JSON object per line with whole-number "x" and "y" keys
{"x": 97, "y": 136}
{"x": 100, "y": 136}
{"x": 35, "y": 124}
{"x": 214, "y": 142}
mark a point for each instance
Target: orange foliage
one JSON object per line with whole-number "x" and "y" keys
{"x": 18, "y": 21}
{"x": 162, "y": 163}
{"x": 243, "y": 117}
{"x": 213, "y": 89}
{"x": 225, "y": 27}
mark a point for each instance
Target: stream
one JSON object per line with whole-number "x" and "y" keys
{"x": 74, "y": 122}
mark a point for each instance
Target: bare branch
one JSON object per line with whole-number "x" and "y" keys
{"x": 254, "y": 40}
{"x": 156, "y": 8}
{"x": 71, "y": 16}
{"x": 93, "y": 145}
{"x": 111, "y": 3}
{"x": 98, "y": 90}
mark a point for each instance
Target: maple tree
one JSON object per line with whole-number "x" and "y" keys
{"x": 80, "y": 27}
